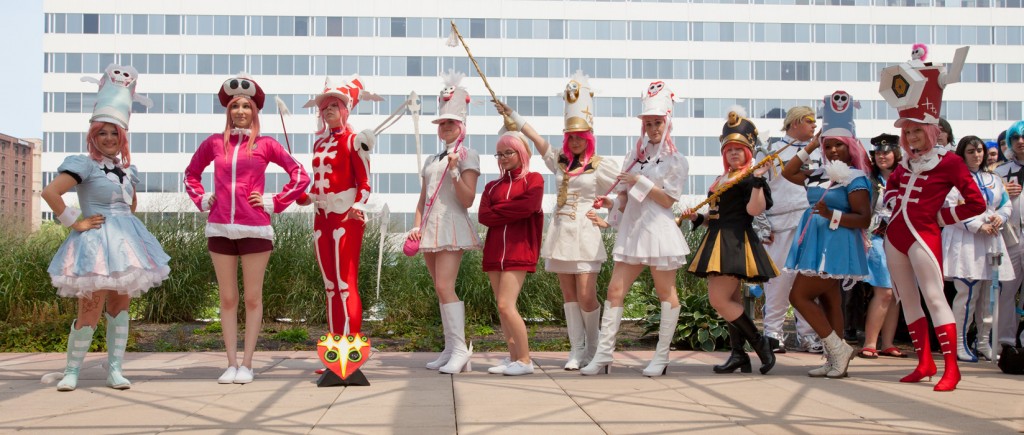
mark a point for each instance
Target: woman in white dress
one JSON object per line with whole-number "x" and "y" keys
{"x": 965, "y": 248}
{"x": 443, "y": 227}
{"x": 651, "y": 182}
{"x": 573, "y": 247}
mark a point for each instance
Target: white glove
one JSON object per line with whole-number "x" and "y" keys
{"x": 365, "y": 140}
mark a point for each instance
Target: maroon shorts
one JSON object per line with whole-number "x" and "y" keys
{"x": 248, "y": 245}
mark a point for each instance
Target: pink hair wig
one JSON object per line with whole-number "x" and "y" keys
{"x": 122, "y": 138}
{"x": 858, "y": 156}
{"x": 665, "y": 138}
{"x": 462, "y": 132}
{"x": 587, "y": 153}
{"x": 321, "y": 123}
{"x": 519, "y": 146}
{"x": 931, "y": 134}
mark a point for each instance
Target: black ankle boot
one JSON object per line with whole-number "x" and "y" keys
{"x": 738, "y": 359}
{"x": 762, "y": 345}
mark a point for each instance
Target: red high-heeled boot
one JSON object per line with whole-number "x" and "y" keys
{"x": 947, "y": 344}
{"x": 925, "y": 364}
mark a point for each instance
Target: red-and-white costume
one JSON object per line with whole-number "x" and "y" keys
{"x": 341, "y": 169}
{"x": 916, "y": 192}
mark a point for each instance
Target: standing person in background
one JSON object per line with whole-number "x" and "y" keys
{"x": 993, "y": 156}
{"x": 341, "y": 188}
{"x": 573, "y": 247}
{"x": 109, "y": 257}
{"x": 790, "y": 201}
{"x": 510, "y": 208}
{"x": 946, "y": 138}
{"x": 1012, "y": 173}
{"x": 883, "y": 310}
{"x": 443, "y": 226}
{"x": 966, "y": 247}
{"x": 652, "y": 180}
{"x": 830, "y": 246}
{"x": 238, "y": 226}
{"x": 731, "y": 252}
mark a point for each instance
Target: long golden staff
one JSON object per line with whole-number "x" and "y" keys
{"x": 766, "y": 160}
{"x": 510, "y": 125}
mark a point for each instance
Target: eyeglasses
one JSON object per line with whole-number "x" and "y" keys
{"x": 507, "y": 154}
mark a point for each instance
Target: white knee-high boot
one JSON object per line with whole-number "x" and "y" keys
{"x": 592, "y": 328}
{"x": 577, "y": 335}
{"x": 666, "y": 330}
{"x": 964, "y": 306}
{"x": 461, "y": 354}
{"x": 446, "y": 353}
{"x": 78, "y": 345}
{"x": 602, "y": 360}
{"x": 117, "y": 341}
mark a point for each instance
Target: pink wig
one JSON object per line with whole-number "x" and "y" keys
{"x": 587, "y": 153}
{"x": 517, "y": 142}
{"x": 747, "y": 155}
{"x": 228, "y": 125}
{"x": 321, "y": 123}
{"x": 122, "y": 138}
{"x": 858, "y": 157}
{"x": 931, "y": 134}
{"x": 462, "y": 132}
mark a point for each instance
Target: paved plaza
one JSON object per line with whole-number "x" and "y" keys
{"x": 177, "y": 393}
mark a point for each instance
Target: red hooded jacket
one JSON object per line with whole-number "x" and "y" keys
{"x": 510, "y": 208}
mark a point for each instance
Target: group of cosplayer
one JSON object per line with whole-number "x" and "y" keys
{"x": 831, "y": 218}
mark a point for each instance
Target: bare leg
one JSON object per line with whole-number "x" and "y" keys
{"x": 805, "y": 290}
{"x": 226, "y": 267}
{"x": 892, "y": 318}
{"x": 89, "y": 309}
{"x": 254, "y": 266}
{"x": 623, "y": 276}
{"x": 665, "y": 286}
{"x": 832, "y": 302}
{"x": 723, "y": 293}
{"x": 586, "y": 291}
{"x": 509, "y": 285}
{"x": 567, "y": 283}
{"x": 878, "y": 314}
{"x": 444, "y": 269}
{"x": 495, "y": 279}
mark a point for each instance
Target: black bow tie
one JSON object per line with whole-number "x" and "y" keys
{"x": 116, "y": 171}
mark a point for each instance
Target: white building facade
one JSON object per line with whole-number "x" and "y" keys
{"x": 713, "y": 54}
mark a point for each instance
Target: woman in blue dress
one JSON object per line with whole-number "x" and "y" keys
{"x": 109, "y": 256}
{"x": 830, "y": 242}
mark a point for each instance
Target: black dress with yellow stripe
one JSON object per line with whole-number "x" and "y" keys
{"x": 730, "y": 246}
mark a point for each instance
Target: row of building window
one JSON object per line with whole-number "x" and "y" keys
{"x": 429, "y": 66}
{"x": 903, "y": 3}
{"x": 612, "y": 107}
{"x": 493, "y": 28}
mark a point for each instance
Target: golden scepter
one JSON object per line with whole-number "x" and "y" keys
{"x": 510, "y": 125}
{"x": 714, "y": 195}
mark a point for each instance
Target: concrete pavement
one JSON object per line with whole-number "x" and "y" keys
{"x": 178, "y": 393}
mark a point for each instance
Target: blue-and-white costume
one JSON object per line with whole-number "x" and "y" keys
{"x": 878, "y": 270}
{"x": 121, "y": 255}
{"x": 964, "y": 247}
{"x": 823, "y": 252}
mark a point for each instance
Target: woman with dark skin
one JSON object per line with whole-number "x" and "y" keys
{"x": 834, "y": 226}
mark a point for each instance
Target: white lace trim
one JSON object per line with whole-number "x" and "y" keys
{"x": 133, "y": 282}
{"x": 658, "y": 263}
{"x": 808, "y": 272}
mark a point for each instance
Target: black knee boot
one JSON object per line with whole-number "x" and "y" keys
{"x": 738, "y": 359}
{"x": 762, "y": 345}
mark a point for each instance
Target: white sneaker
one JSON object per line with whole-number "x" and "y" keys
{"x": 229, "y": 376}
{"x": 518, "y": 369}
{"x": 244, "y": 375}
{"x": 500, "y": 368}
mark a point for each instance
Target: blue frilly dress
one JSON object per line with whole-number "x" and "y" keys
{"x": 121, "y": 255}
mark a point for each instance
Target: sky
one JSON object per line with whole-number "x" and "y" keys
{"x": 21, "y": 78}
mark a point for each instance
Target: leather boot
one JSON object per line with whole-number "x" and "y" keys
{"x": 78, "y": 345}
{"x": 761, "y": 344}
{"x": 592, "y": 329}
{"x": 117, "y": 341}
{"x": 602, "y": 360}
{"x": 951, "y": 375}
{"x": 666, "y": 330}
{"x": 738, "y": 359}
{"x": 446, "y": 354}
{"x": 577, "y": 336}
{"x": 460, "y": 359}
{"x": 925, "y": 364}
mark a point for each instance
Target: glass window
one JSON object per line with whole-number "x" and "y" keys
{"x": 74, "y": 63}
{"x": 414, "y": 27}
{"x": 220, "y": 65}
{"x": 74, "y": 23}
{"x": 269, "y": 26}
{"x": 140, "y": 24}
{"x": 301, "y": 26}
{"x": 156, "y": 24}
{"x": 73, "y": 102}
{"x": 365, "y": 27}
{"x": 91, "y": 23}
{"x": 476, "y": 27}
{"x": 286, "y": 65}
{"x": 205, "y": 25}
{"x": 107, "y": 24}
{"x": 333, "y": 26}
{"x": 286, "y": 26}
{"x": 91, "y": 63}
{"x": 156, "y": 64}
{"x": 60, "y": 23}
{"x": 556, "y": 29}
{"x": 204, "y": 64}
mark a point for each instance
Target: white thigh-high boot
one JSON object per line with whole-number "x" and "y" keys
{"x": 592, "y": 327}
{"x": 79, "y": 341}
{"x": 577, "y": 335}
{"x": 602, "y": 360}
{"x": 461, "y": 354}
{"x": 666, "y": 330}
{"x": 446, "y": 353}
{"x": 984, "y": 321}
{"x": 117, "y": 341}
{"x": 964, "y": 305}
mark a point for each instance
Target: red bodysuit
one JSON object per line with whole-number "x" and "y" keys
{"x": 341, "y": 169}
